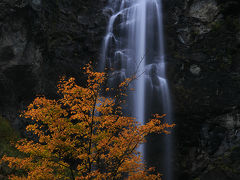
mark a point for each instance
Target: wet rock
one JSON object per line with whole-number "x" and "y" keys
{"x": 238, "y": 37}
{"x": 36, "y": 4}
{"x": 195, "y": 69}
{"x": 37, "y": 45}
{"x": 203, "y": 71}
{"x": 16, "y": 3}
{"x": 185, "y": 36}
{"x": 198, "y": 56}
{"x": 229, "y": 121}
{"x": 201, "y": 29}
{"x": 205, "y": 10}
{"x": 83, "y": 20}
{"x": 218, "y": 151}
{"x": 215, "y": 174}
{"x": 6, "y": 54}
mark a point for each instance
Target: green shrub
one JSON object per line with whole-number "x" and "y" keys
{"x": 6, "y": 131}
{"x": 7, "y": 136}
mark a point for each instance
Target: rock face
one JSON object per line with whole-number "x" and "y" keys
{"x": 41, "y": 40}
{"x": 205, "y": 11}
{"x": 203, "y": 69}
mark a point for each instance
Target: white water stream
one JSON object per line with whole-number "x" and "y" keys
{"x": 135, "y": 41}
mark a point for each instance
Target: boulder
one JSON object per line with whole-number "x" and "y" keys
{"x": 205, "y": 10}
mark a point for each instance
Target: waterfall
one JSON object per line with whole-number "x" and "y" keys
{"x": 134, "y": 42}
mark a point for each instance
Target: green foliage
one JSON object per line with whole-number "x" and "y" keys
{"x": 8, "y": 137}
{"x": 7, "y": 134}
{"x": 216, "y": 26}
{"x": 233, "y": 23}
{"x": 6, "y": 130}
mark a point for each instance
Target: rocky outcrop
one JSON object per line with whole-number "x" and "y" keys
{"x": 42, "y": 40}
{"x": 216, "y": 154}
{"x": 205, "y": 11}
{"x": 203, "y": 69}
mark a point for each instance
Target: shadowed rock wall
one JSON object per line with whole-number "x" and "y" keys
{"x": 202, "y": 39}
{"x": 41, "y": 40}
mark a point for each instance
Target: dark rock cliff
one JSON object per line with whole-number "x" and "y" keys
{"x": 41, "y": 40}
{"x": 202, "y": 39}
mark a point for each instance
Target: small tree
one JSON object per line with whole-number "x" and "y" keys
{"x": 83, "y": 135}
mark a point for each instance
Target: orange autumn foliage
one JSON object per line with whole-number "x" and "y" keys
{"x": 83, "y": 135}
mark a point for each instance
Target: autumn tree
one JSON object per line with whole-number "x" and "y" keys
{"x": 83, "y": 135}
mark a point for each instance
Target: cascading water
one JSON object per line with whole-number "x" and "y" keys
{"x": 135, "y": 43}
